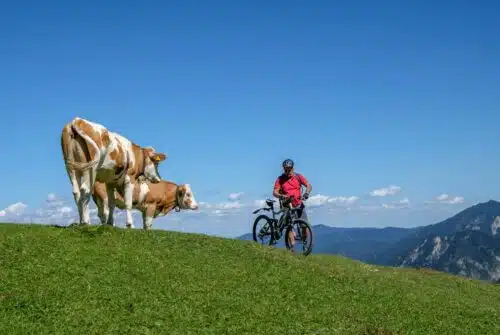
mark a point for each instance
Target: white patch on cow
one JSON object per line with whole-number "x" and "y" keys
{"x": 148, "y": 222}
{"x": 150, "y": 173}
{"x": 128, "y": 193}
{"x": 143, "y": 191}
{"x": 189, "y": 200}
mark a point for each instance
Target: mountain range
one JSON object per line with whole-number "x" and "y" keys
{"x": 466, "y": 244}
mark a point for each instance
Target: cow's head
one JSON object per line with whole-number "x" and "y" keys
{"x": 151, "y": 161}
{"x": 185, "y": 198}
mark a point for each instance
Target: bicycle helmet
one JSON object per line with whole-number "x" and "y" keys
{"x": 287, "y": 163}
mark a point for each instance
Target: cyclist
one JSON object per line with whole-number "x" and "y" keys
{"x": 288, "y": 185}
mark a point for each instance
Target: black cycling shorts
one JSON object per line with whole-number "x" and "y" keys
{"x": 301, "y": 212}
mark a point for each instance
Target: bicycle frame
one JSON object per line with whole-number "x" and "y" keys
{"x": 287, "y": 211}
{"x": 270, "y": 204}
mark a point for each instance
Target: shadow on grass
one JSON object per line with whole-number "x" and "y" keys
{"x": 88, "y": 230}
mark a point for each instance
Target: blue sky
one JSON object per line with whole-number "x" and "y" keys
{"x": 361, "y": 96}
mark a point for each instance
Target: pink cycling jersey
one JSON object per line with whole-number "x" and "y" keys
{"x": 291, "y": 186}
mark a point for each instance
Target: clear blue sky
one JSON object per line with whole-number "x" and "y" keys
{"x": 360, "y": 95}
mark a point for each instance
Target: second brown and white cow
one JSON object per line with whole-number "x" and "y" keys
{"x": 151, "y": 199}
{"x": 93, "y": 153}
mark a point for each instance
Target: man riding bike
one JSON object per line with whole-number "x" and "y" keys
{"x": 288, "y": 185}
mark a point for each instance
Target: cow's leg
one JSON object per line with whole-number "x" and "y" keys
{"x": 75, "y": 189}
{"x": 147, "y": 216}
{"x": 109, "y": 207}
{"x": 86, "y": 186}
{"x": 101, "y": 204}
{"x": 128, "y": 188}
{"x": 144, "y": 219}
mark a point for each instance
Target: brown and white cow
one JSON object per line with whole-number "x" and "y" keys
{"x": 93, "y": 153}
{"x": 151, "y": 199}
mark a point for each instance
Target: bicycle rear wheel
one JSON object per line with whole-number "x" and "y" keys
{"x": 267, "y": 229}
{"x": 302, "y": 233}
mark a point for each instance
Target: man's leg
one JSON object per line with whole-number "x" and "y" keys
{"x": 303, "y": 216}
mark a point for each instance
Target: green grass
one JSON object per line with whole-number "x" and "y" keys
{"x": 101, "y": 280}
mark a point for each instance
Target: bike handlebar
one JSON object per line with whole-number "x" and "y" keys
{"x": 287, "y": 197}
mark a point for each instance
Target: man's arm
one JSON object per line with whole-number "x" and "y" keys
{"x": 308, "y": 189}
{"x": 307, "y": 184}
{"x": 277, "y": 188}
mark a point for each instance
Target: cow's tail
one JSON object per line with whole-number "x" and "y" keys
{"x": 69, "y": 133}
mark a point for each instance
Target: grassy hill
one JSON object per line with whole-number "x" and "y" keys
{"x": 101, "y": 280}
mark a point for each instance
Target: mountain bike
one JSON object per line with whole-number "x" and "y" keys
{"x": 285, "y": 220}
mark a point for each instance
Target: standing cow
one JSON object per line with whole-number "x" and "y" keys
{"x": 151, "y": 199}
{"x": 93, "y": 153}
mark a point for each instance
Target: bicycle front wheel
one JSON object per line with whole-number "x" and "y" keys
{"x": 299, "y": 231}
{"x": 264, "y": 231}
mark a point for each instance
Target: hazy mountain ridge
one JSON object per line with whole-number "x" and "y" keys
{"x": 479, "y": 222}
{"x": 472, "y": 254}
{"x": 467, "y": 244}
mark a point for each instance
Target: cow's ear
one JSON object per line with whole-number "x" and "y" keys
{"x": 158, "y": 157}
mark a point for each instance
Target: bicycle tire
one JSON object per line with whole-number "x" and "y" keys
{"x": 300, "y": 223}
{"x": 269, "y": 222}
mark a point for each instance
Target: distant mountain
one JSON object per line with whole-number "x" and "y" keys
{"x": 473, "y": 254}
{"x": 479, "y": 218}
{"x": 466, "y": 244}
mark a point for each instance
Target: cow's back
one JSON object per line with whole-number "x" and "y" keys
{"x": 158, "y": 194}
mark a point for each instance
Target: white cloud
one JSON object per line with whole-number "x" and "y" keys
{"x": 66, "y": 209}
{"x": 204, "y": 205}
{"x": 343, "y": 200}
{"x": 218, "y": 209}
{"x": 442, "y": 197}
{"x": 322, "y": 200}
{"x": 235, "y": 196}
{"x": 317, "y": 200}
{"x": 386, "y": 191}
{"x": 229, "y": 205}
{"x": 447, "y": 199}
{"x": 53, "y": 201}
{"x": 456, "y": 200}
{"x": 403, "y": 203}
{"x": 15, "y": 209}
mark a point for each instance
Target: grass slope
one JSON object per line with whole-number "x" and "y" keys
{"x": 101, "y": 280}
